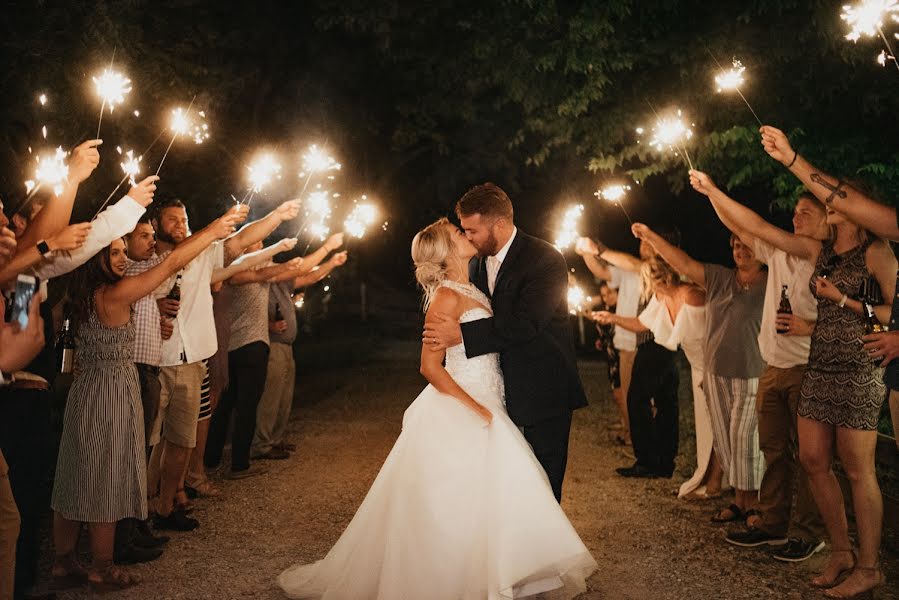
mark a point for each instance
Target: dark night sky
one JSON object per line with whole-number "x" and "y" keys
{"x": 418, "y": 108}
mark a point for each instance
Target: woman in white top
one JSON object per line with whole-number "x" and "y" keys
{"x": 676, "y": 316}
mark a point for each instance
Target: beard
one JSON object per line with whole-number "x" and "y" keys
{"x": 488, "y": 247}
{"x": 165, "y": 236}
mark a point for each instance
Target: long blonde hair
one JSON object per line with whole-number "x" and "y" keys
{"x": 432, "y": 248}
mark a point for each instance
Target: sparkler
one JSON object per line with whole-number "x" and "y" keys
{"x": 577, "y": 299}
{"x": 42, "y": 99}
{"x": 261, "y": 172}
{"x": 318, "y": 207}
{"x": 568, "y": 234}
{"x": 866, "y": 19}
{"x": 672, "y": 132}
{"x": 51, "y": 171}
{"x": 112, "y": 87}
{"x": 730, "y": 80}
{"x": 615, "y": 193}
{"x": 360, "y": 219}
{"x": 131, "y": 168}
{"x": 316, "y": 160}
{"x": 181, "y": 124}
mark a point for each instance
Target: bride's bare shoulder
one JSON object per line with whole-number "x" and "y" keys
{"x": 445, "y": 301}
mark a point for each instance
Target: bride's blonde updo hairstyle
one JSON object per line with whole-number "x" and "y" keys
{"x": 432, "y": 248}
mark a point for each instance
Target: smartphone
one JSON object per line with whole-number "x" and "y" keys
{"x": 26, "y": 286}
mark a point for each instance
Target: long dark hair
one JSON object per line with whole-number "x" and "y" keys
{"x": 85, "y": 282}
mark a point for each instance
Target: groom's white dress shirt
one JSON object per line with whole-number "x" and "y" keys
{"x": 495, "y": 262}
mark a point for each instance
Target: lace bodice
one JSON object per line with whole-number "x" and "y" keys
{"x": 479, "y": 371}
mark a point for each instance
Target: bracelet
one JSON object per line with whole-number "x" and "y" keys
{"x": 793, "y": 162}
{"x": 842, "y": 303}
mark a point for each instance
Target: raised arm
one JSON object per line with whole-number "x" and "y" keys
{"x": 858, "y": 208}
{"x": 447, "y": 303}
{"x": 319, "y": 273}
{"x": 129, "y": 290}
{"x": 258, "y": 230}
{"x": 679, "y": 260}
{"x": 266, "y": 273}
{"x": 311, "y": 261}
{"x": 605, "y": 317}
{"x": 70, "y": 238}
{"x": 111, "y": 224}
{"x": 589, "y": 251}
{"x": 747, "y": 224}
{"x": 252, "y": 259}
{"x": 56, "y": 214}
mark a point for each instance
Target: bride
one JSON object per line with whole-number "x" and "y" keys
{"x": 461, "y": 508}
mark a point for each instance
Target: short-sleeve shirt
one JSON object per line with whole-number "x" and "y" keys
{"x": 281, "y": 294}
{"x": 733, "y": 320}
{"x": 249, "y": 315}
{"x": 194, "y": 337}
{"x": 794, "y": 272}
{"x": 148, "y": 337}
{"x": 628, "y": 285}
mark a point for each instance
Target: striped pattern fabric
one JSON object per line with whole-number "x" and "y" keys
{"x": 205, "y": 401}
{"x": 101, "y": 470}
{"x": 735, "y": 428}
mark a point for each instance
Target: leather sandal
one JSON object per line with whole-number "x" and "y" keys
{"x": 736, "y": 515}
{"x": 112, "y": 579}
{"x": 821, "y": 583}
{"x": 67, "y": 573}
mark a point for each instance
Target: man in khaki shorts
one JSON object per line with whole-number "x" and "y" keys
{"x": 193, "y": 340}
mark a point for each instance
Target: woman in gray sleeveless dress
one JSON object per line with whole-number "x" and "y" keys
{"x": 100, "y": 473}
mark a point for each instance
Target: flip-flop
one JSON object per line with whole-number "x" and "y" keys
{"x": 734, "y": 509}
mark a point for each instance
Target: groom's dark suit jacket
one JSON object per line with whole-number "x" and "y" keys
{"x": 530, "y": 329}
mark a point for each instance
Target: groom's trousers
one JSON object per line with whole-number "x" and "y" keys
{"x": 549, "y": 439}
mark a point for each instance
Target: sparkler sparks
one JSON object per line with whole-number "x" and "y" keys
{"x": 615, "y": 193}
{"x": 111, "y": 87}
{"x": 360, "y": 219}
{"x": 262, "y": 171}
{"x": 42, "y": 99}
{"x": 52, "y": 171}
{"x": 730, "y": 80}
{"x": 131, "y": 166}
{"x": 316, "y": 160}
{"x": 181, "y": 124}
{"x": 568, "y": 233}
{"x": 866, "y": 20}
{"x": 672, "y": 132}
{"x": 577, "y": 299}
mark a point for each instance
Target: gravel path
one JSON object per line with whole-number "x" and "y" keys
{"x": 648, "y": 544}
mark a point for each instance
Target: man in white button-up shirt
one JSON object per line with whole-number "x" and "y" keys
{"x": 192, "y": 341}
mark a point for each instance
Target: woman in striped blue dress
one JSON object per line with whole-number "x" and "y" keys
{"x": 101, "y": 472}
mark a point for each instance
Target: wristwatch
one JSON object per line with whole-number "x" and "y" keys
{"x": 44, "y": 248}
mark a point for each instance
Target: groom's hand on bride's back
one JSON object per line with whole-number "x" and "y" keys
{"x": 441, "y": 332}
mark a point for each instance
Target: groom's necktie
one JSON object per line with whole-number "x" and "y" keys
{"x": 492, "y": 271}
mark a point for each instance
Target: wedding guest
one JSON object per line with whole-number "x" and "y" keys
{"x": 100, "y": 473}
{"x": 273, "y": 411}
{"x": 843, "y": 388}
{"x": 652, "y": 398}
{"x": 605, "y": 336}
{"x": 196, "y": 482}
{"x": 784, "y": 342}
{"x": 622, "y": 271}
{"x": 734, "y": 301}
{"x": 192, "y": 341}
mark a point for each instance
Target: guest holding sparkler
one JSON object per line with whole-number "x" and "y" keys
{"x": 100, "y": 474}
{"x": 605, "y": 341}
{"x": 843, "y": 389}
{"x": 273, "y": 410}
{"x": 193, "y": 340}
{"x": 734, "y": 300}
{"x": 784, "y": 343}
{"x": 673, "y": 315}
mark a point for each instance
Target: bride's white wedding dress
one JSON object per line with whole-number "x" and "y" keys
{"x": 460, "y": 510}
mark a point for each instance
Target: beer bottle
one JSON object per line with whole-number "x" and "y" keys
{"x": 175, "y": 292}
{"x": 278, "y": 315}
{"x": 65, "y": 344}
{"x": 785, "y": 308}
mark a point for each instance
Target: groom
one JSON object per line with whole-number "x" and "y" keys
{"x": 527, "y": 281}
